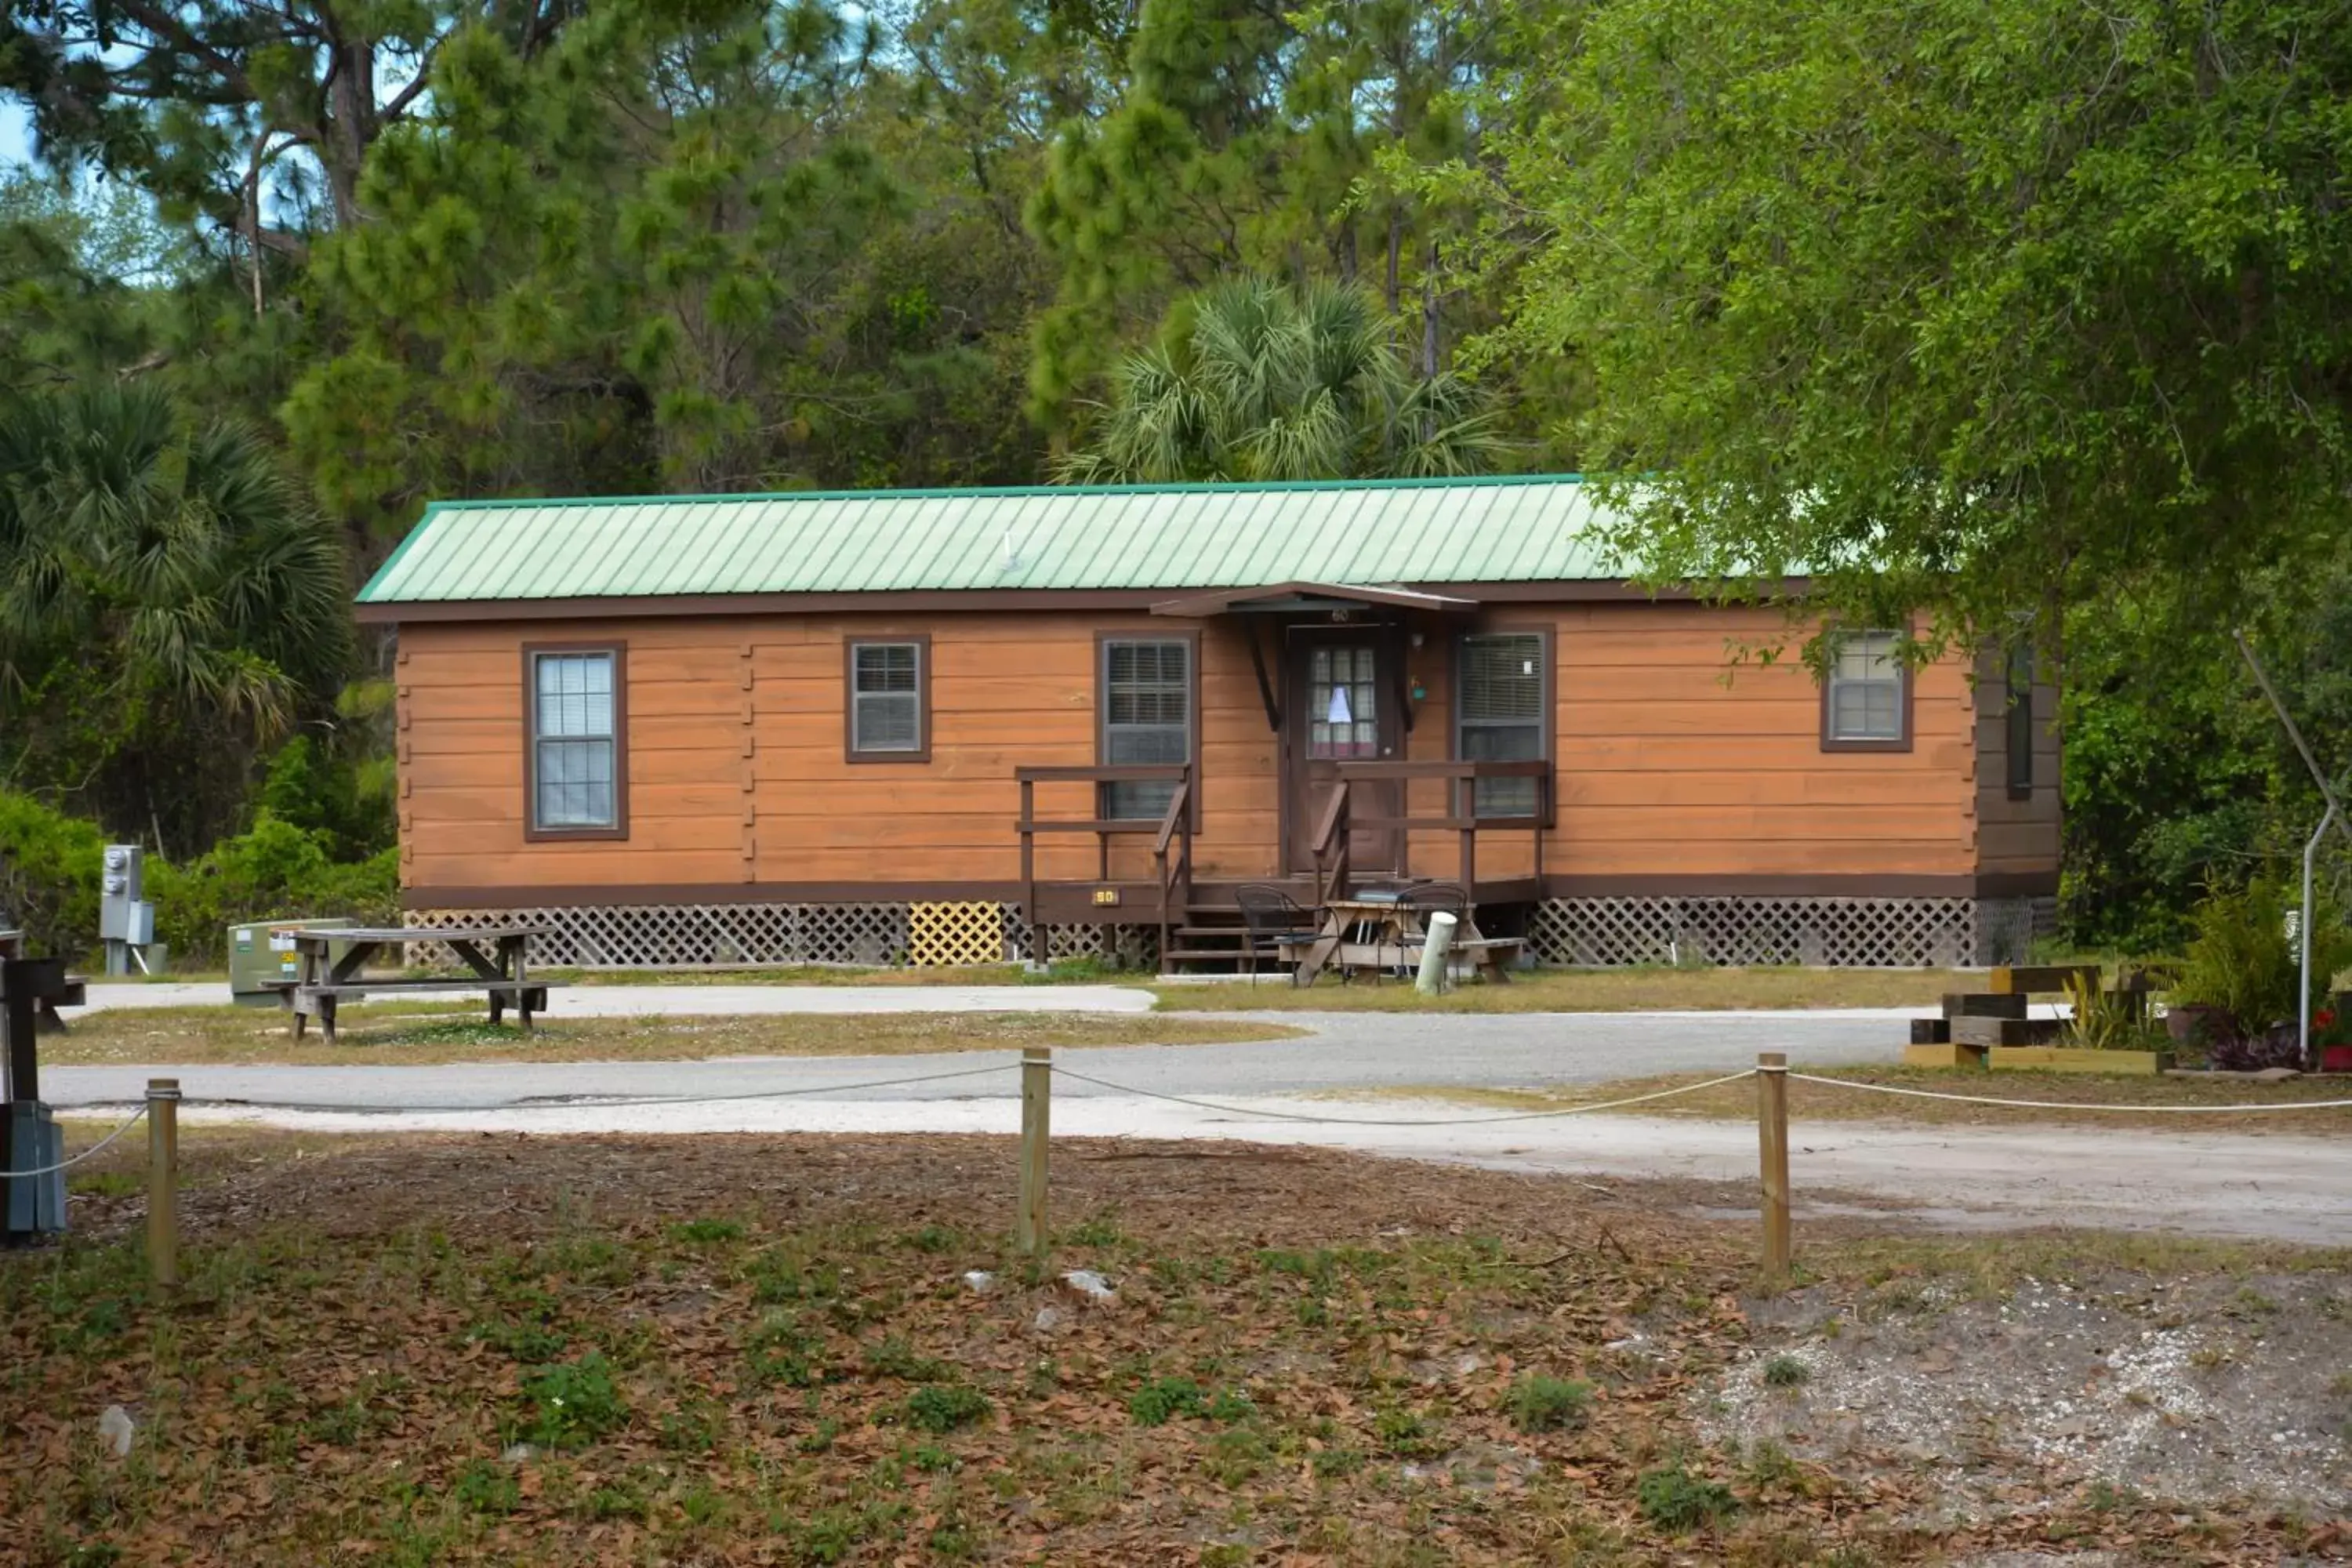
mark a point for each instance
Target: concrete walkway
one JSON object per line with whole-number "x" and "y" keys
{"x": 712, "y": 1001}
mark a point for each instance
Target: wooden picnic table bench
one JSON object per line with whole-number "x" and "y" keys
{"x": 70, "y": 989}
{"x": 323, "y": 978}
{"x": 1397, "y": 927}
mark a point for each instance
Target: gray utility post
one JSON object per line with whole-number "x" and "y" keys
{"x": 126, "y": 921}
{"x": 2333, "y": 814}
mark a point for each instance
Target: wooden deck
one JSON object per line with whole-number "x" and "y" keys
{"x": 1199, "y": 921}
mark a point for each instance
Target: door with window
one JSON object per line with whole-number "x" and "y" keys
{"x": 1339, "y": 709}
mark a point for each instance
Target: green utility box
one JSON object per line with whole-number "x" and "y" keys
{"x": 261, "y": 959}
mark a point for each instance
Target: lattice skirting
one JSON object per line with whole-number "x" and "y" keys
{"x": 1889, "y": 934}
{"x": 710, "y": 936}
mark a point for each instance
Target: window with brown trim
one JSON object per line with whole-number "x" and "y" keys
{"x": 2019, "y": 717}
{"x": 1147, "y": 694}
{"x": 575, "y": 740}
{"x": 1502, "y": 713}
{"x": 1866, "y": 693}
{"x": 889, "y": 701}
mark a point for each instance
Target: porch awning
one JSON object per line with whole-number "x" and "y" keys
{"x": 1288, "y": 598}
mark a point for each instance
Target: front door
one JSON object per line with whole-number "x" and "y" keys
{"x": 1338, "y": 710}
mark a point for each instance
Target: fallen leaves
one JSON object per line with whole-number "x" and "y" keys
{"x": 799, "y": 1373}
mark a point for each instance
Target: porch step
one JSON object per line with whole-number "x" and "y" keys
{"x": 1208, "y": 956}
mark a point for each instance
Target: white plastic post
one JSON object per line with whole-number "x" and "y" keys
{"x": 1436, "y": 948}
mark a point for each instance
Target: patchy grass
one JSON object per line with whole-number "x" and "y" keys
{"x": 405, "y": 1034}
{"x": 1315, "y": 1356}
{"x": 1589, "y": 991}
{"x": 1820, "y": 1102}
{"x": 1087, "y": 971}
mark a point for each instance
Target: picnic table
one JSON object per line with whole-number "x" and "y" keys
{"x": 1371, "y": 931}
{"x": 322, "y": 980}
{"x": 68, "y": 990}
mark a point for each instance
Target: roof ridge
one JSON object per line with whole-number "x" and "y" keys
{"x": 1517, "y": 527}
{"x": 976, "y": 493}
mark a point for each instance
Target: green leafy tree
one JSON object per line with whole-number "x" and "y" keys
{"x": 1979, "y": 305}
{"x": 1254, "y": 138}
{"x": 1255, "y": 380}
{"x": 666, "y": 253}
{"x": 168, "y": 603}
{"x": 210, "y": 102}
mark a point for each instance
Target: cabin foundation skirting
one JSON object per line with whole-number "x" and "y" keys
{"x": 718, "y": 936}
{"x": 1831, "y": 932}
{"x": 1837, "y": 933}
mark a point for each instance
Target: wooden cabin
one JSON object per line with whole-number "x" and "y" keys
{"x": 950, "y": 726}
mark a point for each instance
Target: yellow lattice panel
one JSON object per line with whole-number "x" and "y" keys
{"x": 943, "y": 936}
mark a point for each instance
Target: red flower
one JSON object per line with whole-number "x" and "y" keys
{"x": 2324, "y": 1019}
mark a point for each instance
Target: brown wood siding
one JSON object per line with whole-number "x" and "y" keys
{"x": 2020, "y": 834}
{"x": 737, "y": 773}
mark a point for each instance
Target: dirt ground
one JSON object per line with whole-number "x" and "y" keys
{"x": 2203, "y": 1388}
{"x": 773, "y": 1350}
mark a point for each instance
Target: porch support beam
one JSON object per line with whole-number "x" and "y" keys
{"x": 1264, "y": 684}
{"x": 1400, "y": 647}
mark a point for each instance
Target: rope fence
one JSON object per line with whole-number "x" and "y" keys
{"x": 68, "y": 1163}
{"x": 1037, "y": 1072}
{"x": 2067, "y": 1104}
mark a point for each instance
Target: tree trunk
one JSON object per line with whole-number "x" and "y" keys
{"x": 1429, "y": 316}
{"x": 1396, "y": 250}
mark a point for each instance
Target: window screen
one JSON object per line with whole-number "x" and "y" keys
{"x": 886, "y": 698}
{"x": 1500, "y": 717}
{"x": 1867, "y": 687}
{"x": 2019, "y": 718}
{"x": 1147, "y": 707}
{"x": 573, "y": 741}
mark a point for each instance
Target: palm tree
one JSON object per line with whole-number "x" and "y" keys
{"x": 163, "y": 587}
{"x": 1255, "y": 380}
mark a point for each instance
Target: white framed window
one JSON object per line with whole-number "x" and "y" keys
{"x": 889, "y": 700}
{"x": 578, "y": 761}
{"x": 1147, "y": 717}
{"x": 1866, "y": 697}
{"x": 1501, "y": 692}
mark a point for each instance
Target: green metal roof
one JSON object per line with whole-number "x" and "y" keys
{"x": 1537, "y": 528}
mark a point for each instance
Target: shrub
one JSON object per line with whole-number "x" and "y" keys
{"x": 1786, "y": 1371}
{"x": 49, "y": 870}
{"x": 48, "y": 874}
{"x": 945, "y": 1407}
{"x": 2102, "y": 1020}
{"x": 2243, "y": 962}
{"x": 1673, "y": 1499}
{"x": 1549, "y": 1403}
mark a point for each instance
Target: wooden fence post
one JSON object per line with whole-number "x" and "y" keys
{"x": 164, "y": 1184}
{"x": 1772, "y": 1136}
{"x": 1036, "y": 1116}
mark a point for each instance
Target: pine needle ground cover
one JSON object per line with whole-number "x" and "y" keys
{"x": 738, "y": 1350}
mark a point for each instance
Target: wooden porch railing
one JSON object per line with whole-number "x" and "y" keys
{"x": 1338, "y": 817}
{"x": 1172, "y": 836}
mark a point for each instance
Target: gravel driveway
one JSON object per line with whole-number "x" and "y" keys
{"x": 2198, "y": 1180}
